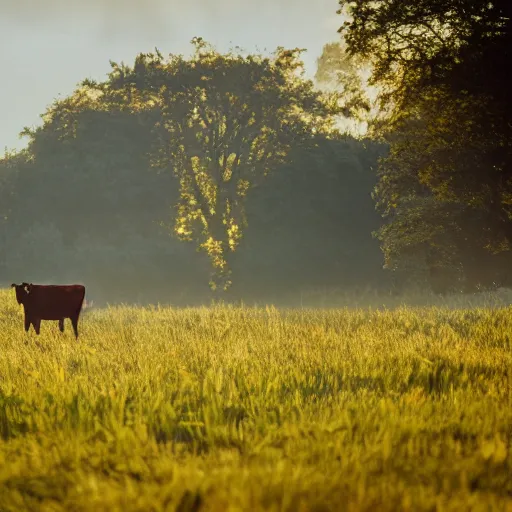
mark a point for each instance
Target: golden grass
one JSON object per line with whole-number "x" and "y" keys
{"x": 227, "y": 408}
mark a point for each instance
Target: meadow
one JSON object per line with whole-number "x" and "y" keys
{"x": 229, "y": 408}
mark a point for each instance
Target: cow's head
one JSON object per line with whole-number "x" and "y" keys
{"x": 22, "y": 291}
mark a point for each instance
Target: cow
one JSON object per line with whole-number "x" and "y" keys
{"x": 50, "y": 302}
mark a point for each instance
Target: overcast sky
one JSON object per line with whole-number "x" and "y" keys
{"x": 48, "y": 46}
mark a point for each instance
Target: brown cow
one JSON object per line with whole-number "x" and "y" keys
{"x": 50, "y": 302}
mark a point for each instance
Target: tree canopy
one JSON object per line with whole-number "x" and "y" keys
{"x": 442, "y": 73}
{"x": 222, "y": 123}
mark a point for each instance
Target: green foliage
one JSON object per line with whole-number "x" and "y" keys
{"x": 90, "y": 159}
{"x": 444, "y": 89}
{"x": 345, "y": 74}
{"x": 241, "y": 408}
{"x": 224, "y": 122}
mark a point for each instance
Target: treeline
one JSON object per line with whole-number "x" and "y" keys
{"x": 175, "y": 176}
{"x": 228, "y": 174}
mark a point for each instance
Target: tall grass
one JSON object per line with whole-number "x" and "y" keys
{"x": 228, "y": 408}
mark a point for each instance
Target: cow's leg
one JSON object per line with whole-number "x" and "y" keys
{"x": 27, "y": 323}
{"x": 36, "y": 322}
{"x": 61, "y": 325}
{"x": 74, "y": 322}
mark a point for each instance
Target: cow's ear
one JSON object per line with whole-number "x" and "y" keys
{"x": 13, "y": 285}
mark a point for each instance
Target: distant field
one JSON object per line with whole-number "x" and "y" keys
{"x": 225, "y": 408}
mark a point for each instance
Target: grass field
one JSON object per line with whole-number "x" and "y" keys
{"x": 257, "y": 409}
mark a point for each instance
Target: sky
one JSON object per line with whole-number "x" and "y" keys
{"x": 48, "y": 46}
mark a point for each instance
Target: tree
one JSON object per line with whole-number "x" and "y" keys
{"x": 10, "y": 166}
{"x": 90, "y": 160}
{"x": 441, "y": 68}
{"x": 225, "y": 122}
{"x": 345, "y": 74}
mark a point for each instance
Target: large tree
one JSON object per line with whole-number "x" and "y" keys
{"x": 442, "y": 71}
{"x": 224, "y": 121}
{"x": 213, "y": 125}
